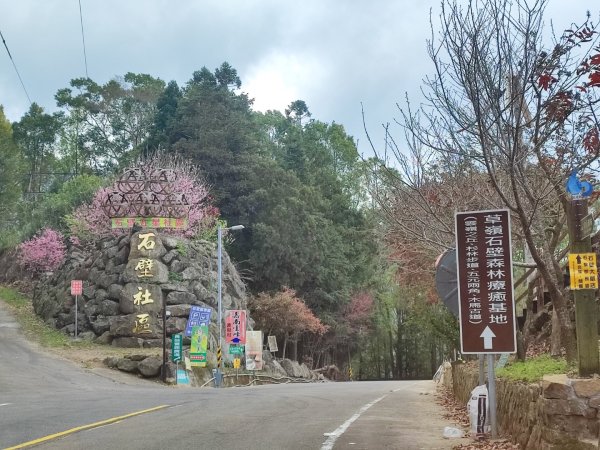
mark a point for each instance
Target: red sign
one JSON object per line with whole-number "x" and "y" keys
{"x": 485, "y": 282}
{"x": 235, "y": 326}
{"x": 76, "y": 287}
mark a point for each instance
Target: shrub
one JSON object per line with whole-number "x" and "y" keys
{"x": 45, "y": 252}
{"x": 534, "y": 369}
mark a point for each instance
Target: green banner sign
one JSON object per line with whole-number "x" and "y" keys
{"x": 236, "y": 349}
{"x": 199, "y": 345}
{"x": 176, "y": 347}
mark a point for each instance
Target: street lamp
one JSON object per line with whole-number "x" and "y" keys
{"x": 218, "y": 373}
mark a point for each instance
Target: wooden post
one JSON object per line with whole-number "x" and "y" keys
{"x": 586, "y": 311}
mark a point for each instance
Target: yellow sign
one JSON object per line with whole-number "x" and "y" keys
{"x": 236, "y": 363}
{"x": 149, "y": 222}
{"x": 583, "y": 271}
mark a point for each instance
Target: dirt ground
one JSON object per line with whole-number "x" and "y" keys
{"x": 94, "y": 355}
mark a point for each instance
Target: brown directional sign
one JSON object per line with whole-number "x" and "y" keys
{"x": 485, "y": 282}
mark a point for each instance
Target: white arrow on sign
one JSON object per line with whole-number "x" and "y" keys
{"x": 487, "y": 336}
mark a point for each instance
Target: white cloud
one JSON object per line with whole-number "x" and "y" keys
{"x": 280, "y": 78}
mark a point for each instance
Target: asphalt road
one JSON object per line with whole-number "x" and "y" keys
{"x": 44, "y": 398}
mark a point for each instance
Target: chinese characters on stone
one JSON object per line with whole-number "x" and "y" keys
{"x": 143, "y": 296}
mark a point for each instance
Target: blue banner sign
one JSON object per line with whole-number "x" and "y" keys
{"x": 198, "y": 316}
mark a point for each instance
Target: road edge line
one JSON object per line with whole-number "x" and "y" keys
{"x": 84, "y": 427}
{"x": 333, "y": 436}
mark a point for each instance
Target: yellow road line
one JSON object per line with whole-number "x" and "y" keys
{"x": 84, "y": 427}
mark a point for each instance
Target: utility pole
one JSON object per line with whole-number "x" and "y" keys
{"x": 586, "y": 311}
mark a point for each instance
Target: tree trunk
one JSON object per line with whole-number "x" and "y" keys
{"x": 285, "y": 340}
{"x": 295, "y": 349}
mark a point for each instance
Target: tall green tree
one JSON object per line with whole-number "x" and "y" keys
{"x": 113, "y": 120}
{"x": 12, "y": 166}
{"x": 37, "y": 136}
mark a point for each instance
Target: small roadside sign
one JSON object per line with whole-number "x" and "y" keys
{"x": 272, "y": 341}
{"x": 485, "y": 282}
{"x": 236, "y": 349}
{"x": 236, "y": 363}
{"x": 76, "y": 287}
{"x": 176, "y": 347}
{"x": 182, "y": 377}
{"x": 235, "y": 326}
{"x": 583, "y": 271}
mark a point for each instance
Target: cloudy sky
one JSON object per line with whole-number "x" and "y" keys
{"x": 334, "y": 55}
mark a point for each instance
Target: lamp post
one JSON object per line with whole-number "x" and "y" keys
{"x": 163, "y": 369}
{"x": 218, "y": 373}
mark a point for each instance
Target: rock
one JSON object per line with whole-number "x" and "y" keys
{"x": 124, "y": 241}
{"x": 275, "y": 368}
{"x": 107, "y": 308}
{"x": 121, "y": 256}
{"x": 190, "y": 273}
{"x": 100, "y": 325}
{"x": 111, "y": 361}
{"x": 127, "y": 342}
{"x": 100, "y": 295}
{"x": 105, "y": 338}
{"x": 170, "y": 242}
{"x": 306, "y": 373}
{"x": 586, "y": 387}
{"x": 595, "y": 401}
{"x": 147, "y": 296}
{"x": 143, "y": 270}
{"x": 87, "y": 335}
{"x": 179, "y": 287}
{"x": 176, "y": 325}
{"x": 103, "y": 279}
{"x": 146, "y": 244}
{"x": 127, "y": 365}
{"x": 155, "y": 343}
{"x": 150, "y": 367}
{"x": 178, "y": 266}
{"x": 179, "y": 298}
{"x": 556, "y": 387}
{"x": 136, "y": 357}
{"x": 573, "y": 407}
{"x": 170, "y": 256}
{"x": 292, "y": 368}
{"x": 134, "y": 326}
{"x": 114, "y": 291}
{"x": 179, "y": 310}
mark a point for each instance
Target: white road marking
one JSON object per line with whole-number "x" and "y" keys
{"x": 334, "y": 435}
{"x": 5, "y": 404}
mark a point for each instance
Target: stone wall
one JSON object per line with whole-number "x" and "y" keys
{"x": 127, "y": 280}
{"x": 556, "y": 413}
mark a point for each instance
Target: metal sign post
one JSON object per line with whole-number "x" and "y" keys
{"x": 492, "y": 394}
{"x": 583, "y": 272}
{"x": 485, "y": 289}
{"x": 76, "y": 290}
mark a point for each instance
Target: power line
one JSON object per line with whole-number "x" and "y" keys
{"x": 83, "y": 40}
{"x": 15, "y": 66}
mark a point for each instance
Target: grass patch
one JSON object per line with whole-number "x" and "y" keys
{"x": 175, "y": 276}
{"x": 534, "y": 369}
{"x": 33, "y": 327}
